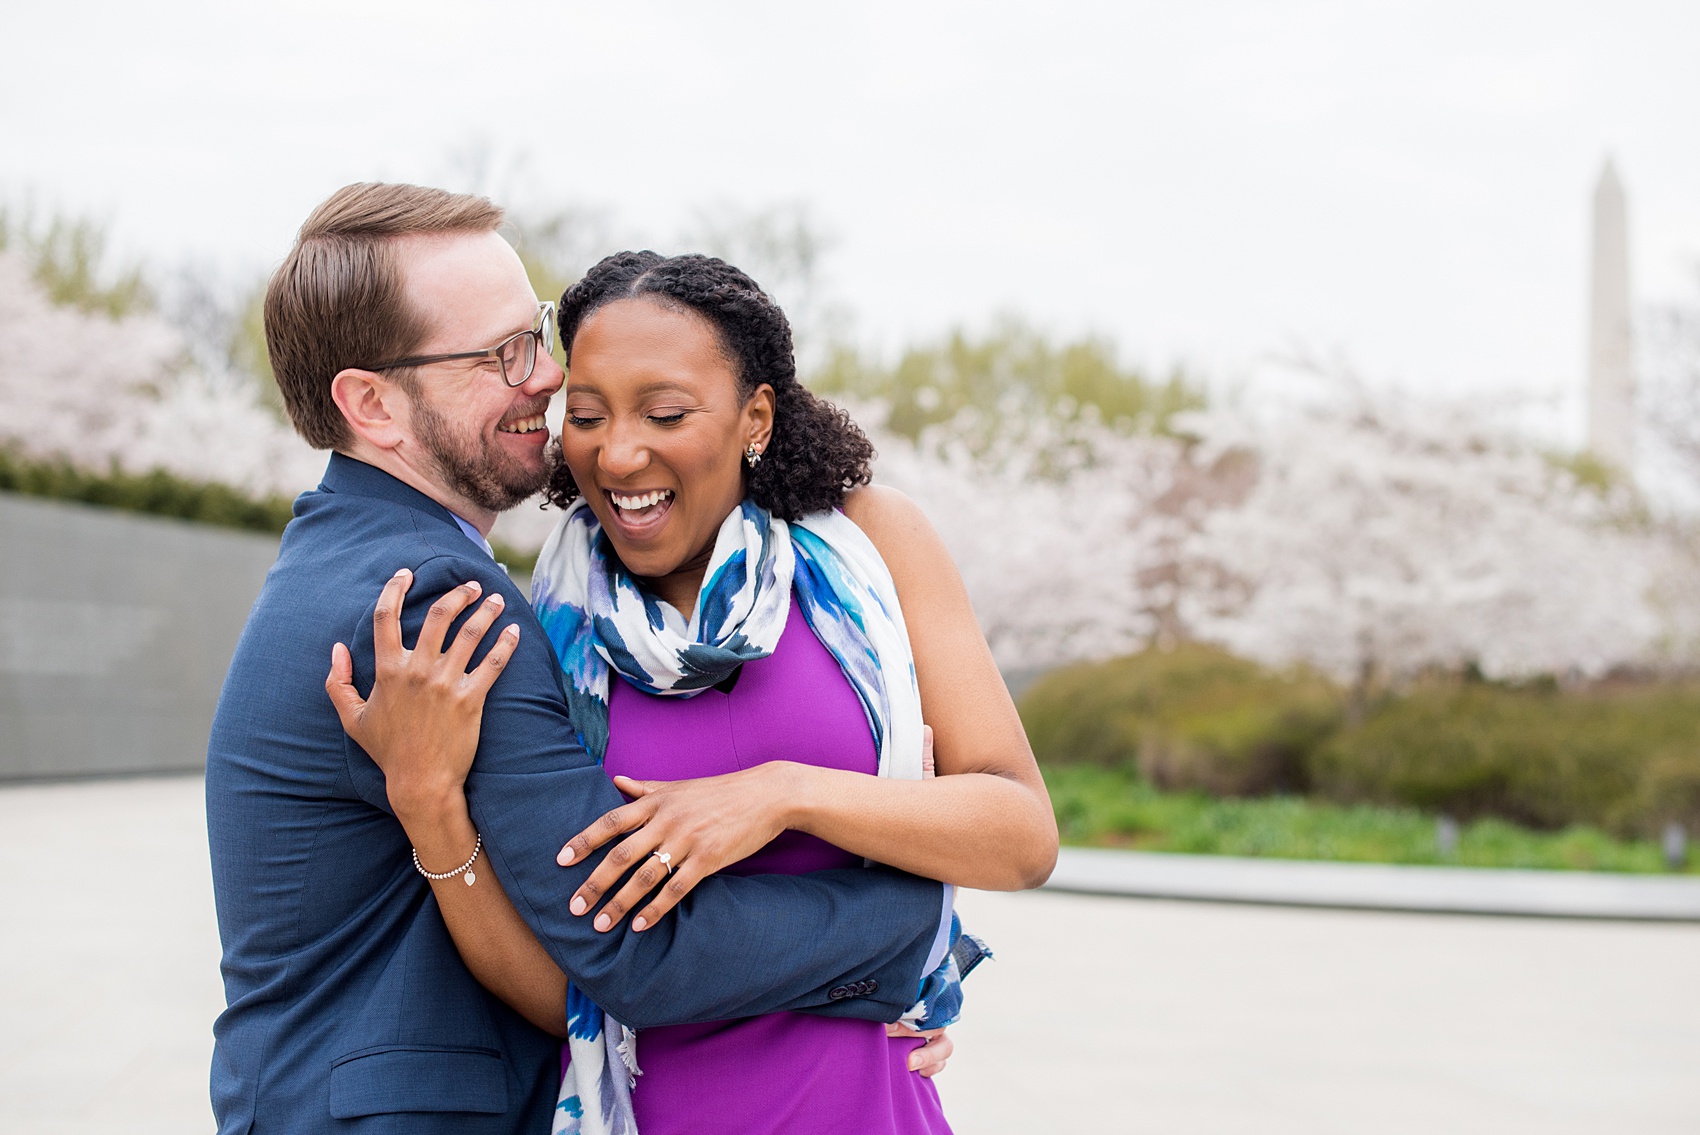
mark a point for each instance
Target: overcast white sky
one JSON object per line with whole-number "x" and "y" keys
{"x": 1405, "y": 183}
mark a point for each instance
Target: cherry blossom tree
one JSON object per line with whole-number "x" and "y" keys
{"x": 1371, "y": 535}
{"x": 1052, "y": 557}
{"x": 1386, "y": 535}
{"x": 102, "y": 391}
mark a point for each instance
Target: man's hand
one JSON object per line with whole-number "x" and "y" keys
{"x": 929, "y": 1060}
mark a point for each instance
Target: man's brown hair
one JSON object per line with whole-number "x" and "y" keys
{"x": 337, "y": 301}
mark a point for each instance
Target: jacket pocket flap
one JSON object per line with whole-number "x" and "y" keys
{"x": 402, "y": 1078}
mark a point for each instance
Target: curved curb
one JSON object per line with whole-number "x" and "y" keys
{"x": 1377, "y": 886}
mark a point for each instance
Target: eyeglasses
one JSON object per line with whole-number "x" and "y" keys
{"x": 517, "y": 354}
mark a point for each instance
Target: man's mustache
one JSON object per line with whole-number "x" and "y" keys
{"x": 527, "y": 410}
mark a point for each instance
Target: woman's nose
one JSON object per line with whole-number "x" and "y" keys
{"x": 623, "y": 454}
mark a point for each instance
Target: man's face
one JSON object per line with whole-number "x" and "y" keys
{"x": 478, "y": 438}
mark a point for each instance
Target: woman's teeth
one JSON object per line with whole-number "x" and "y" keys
{"x": 641, "y": 501}
{"x": 523, "y": 425}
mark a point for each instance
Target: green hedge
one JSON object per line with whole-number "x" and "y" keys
{"x": 1624, "y": 758}
{"x": 164, "y": 494}
{"x": 1193, "y": 717}
{"x": 157, "y": 492}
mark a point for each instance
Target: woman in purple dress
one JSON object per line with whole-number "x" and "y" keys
{"x": 712, "y": 501}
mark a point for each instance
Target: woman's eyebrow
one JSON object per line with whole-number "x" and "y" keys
{"x": 647, "y": 390}
{"x": 667, "y": 386}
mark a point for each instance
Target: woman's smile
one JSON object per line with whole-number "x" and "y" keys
{"x": 639, "y": 515}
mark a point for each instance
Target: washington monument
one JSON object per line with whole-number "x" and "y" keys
{"x": 1611, "y": 373}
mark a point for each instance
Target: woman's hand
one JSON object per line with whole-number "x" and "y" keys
{"x": 702, "y": 825}
{"x": 421, "y": 723}
{"x": 929, "y": 1060}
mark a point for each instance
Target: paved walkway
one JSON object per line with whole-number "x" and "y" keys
{"x": 1100, "y": 1014}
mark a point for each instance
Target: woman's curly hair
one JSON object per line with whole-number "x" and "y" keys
{"x": 816, "y": 454}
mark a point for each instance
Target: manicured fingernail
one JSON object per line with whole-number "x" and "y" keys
{"x": 603, "y": 922}
{"x": 400, "y": 573}
{"x": 473, "y": 583}
{"x": 578, "y": 905}
{"x": 639, "y": 923}
{"x": 567, "y": 856}
{"x": 496, "y": 600}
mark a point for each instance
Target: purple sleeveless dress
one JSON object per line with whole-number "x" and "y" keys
{"x": 785, "y": 1073}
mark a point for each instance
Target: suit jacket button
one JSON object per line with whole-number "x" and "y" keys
{"x": 872, "y": 986}
{"x": 838, "y": 993}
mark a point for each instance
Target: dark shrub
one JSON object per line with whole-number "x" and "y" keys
{"x": 1626, "y": 759}
{"x": 1192, "y": 717}
{"x": 1669, "y": 791}
{"x": 157, "y": 492}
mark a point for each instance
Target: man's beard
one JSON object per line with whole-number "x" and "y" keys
{"x": 475, "y": 467}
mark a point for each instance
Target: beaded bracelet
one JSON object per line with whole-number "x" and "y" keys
{"x": 477, "y": 845}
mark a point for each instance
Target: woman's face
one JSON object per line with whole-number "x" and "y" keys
{"x": 655, "y": 436}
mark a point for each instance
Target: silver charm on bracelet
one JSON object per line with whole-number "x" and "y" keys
{"x": 464, "y": 868}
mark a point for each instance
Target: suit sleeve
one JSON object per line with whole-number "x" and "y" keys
{"x": 841, "y": 943}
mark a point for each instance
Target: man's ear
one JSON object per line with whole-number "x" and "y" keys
{"x": 375, "y": 407}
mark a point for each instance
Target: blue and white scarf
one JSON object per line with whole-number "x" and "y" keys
{"x": 599, "y": 620}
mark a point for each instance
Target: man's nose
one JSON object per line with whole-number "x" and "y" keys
{"x": 546, "y": 377}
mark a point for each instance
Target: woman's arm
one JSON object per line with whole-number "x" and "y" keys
{"x": 985, "y": 821}
{"x": 425, "y": 751}
{"x": 497, "y": 946}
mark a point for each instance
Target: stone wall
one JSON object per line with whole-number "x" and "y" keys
{"x": 115, "y": 634}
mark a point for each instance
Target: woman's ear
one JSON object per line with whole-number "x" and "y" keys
{"x": 373, "y": 406}
{"x": 758, "y": 418}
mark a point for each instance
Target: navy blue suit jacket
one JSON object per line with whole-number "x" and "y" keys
{"x": 348, "y": 1007}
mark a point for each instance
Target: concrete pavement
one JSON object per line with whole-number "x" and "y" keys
{"x": 1100, "y": 1014}
{"x": 109, "y": 958}
{"x": 1141, "y": 1015}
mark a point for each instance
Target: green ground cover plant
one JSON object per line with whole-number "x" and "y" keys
{"x": 1099, "y": 807}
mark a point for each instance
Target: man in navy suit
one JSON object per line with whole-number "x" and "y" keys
{"x": 406, "y": 338}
